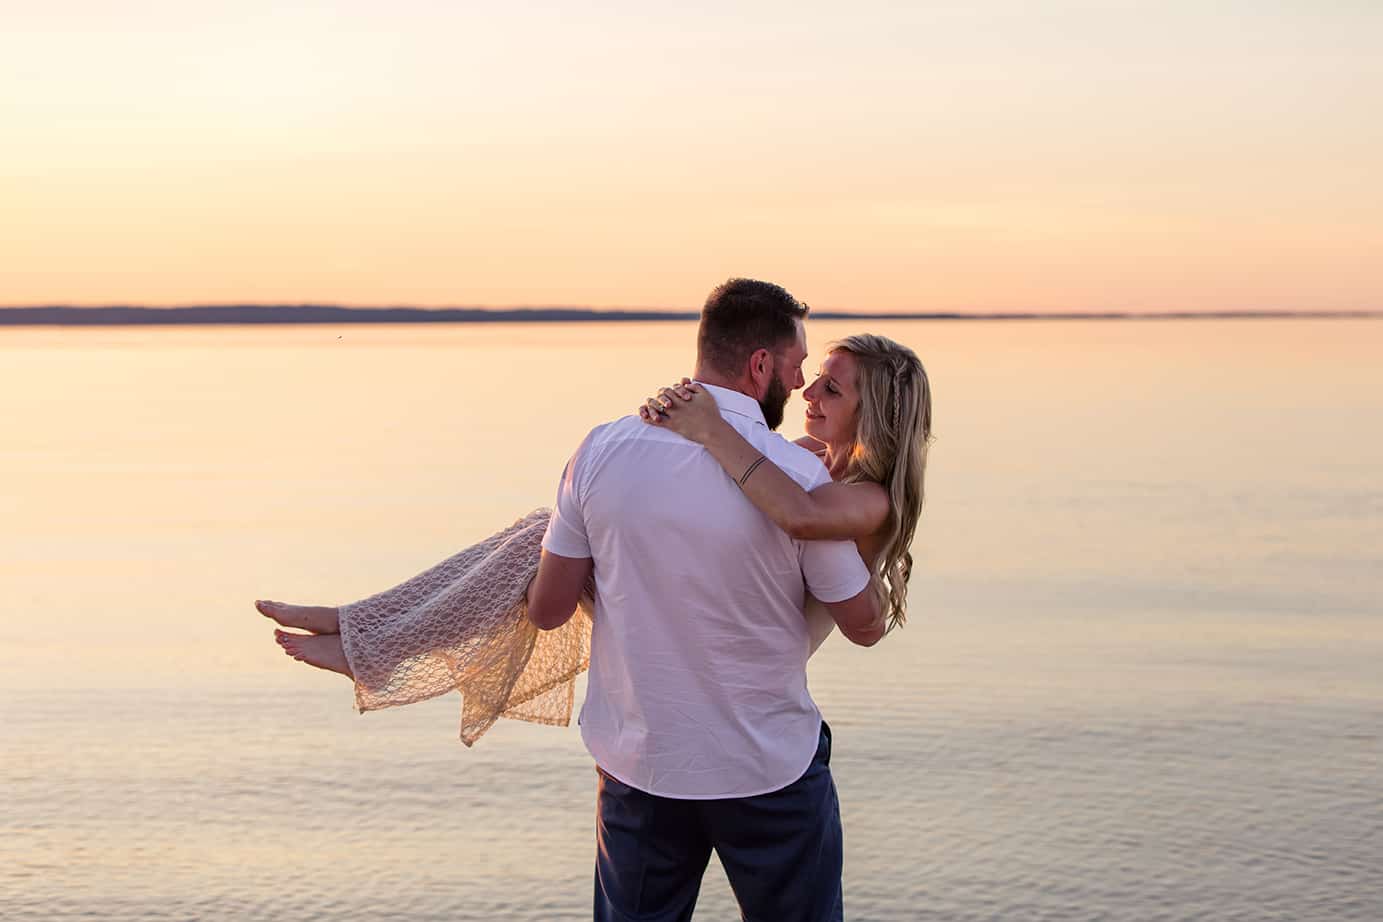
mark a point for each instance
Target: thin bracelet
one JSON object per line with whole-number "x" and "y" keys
{"x": 752, "y": 468}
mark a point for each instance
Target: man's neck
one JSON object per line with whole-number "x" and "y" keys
{"x": 709, "y": 376}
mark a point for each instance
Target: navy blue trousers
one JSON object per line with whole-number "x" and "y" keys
{"x": 782, "y": 851}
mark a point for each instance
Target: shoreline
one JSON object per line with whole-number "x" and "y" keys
{"x": 332, "y": 314}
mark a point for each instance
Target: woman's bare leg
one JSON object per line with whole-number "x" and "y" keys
{"x": 318, "y": 619}
{"x": 320, "y": 650}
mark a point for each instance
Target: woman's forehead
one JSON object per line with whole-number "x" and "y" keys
{"x": 839, "y": 365}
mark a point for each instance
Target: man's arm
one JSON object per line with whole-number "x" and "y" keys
{"x": 566, "y": 565}
{"x": 553, "y": 594}
{"x": 837, "y": 574}
{"x": 860, "y": 617}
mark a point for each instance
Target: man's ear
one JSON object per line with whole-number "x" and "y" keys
{"x": 761, "y": 371}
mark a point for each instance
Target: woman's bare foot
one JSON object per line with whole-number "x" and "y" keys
{"x": 320, "y": 650}
{"x": 318, "y": 619}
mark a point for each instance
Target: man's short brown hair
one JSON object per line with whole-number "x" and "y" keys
{"x": 742, "y": 316}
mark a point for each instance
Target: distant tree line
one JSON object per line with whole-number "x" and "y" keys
{"x": 316, "y": 313}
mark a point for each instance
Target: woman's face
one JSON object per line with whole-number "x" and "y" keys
{"x": 833, "y": 400}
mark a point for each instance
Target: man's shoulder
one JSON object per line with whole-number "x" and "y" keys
{"x": 616, "y": 430}
{"x": 799, "y": 463}
{"x": 610, "y": 433}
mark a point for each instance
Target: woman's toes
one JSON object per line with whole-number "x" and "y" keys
{"x": 314, "y": 618}
{"x": 281, "y": 612}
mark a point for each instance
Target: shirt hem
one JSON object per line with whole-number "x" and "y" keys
{"x": 816, "y": 737}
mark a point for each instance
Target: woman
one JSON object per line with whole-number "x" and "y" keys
{"x": 461, "y": 624}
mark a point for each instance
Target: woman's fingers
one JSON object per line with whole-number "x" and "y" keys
{"x": 656, "y": 409}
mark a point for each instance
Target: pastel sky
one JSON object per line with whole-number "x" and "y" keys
{"x": 976, "y": 155}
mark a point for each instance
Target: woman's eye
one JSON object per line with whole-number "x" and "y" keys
{"x": 831, "y": 390}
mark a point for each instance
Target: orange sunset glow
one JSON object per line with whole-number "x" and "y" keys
{"x": 994, "y": 155}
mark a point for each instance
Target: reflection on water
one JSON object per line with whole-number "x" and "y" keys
{"x": 1140, "y": 681}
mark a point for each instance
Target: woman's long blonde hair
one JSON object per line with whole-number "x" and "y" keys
{"x": 891, "y": 442}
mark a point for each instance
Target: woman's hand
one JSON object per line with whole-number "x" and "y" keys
{"x": 685, "y": 408}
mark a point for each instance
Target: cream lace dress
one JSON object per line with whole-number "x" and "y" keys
{"x": 462, "y": 625}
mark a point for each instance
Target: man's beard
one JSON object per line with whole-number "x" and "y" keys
{"x": 774, "y": 401}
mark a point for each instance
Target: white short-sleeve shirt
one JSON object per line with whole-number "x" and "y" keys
{"x": 698, "y": 684}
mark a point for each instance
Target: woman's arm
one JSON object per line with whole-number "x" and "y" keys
{"x": 833, "y": 510}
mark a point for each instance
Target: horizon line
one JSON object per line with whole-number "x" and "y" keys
{"x": 307, "y": 313}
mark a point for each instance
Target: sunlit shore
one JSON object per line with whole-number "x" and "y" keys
{"x": 1140, "y": 680}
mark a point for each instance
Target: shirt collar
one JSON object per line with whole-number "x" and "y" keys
{"x": 734, "y": 402}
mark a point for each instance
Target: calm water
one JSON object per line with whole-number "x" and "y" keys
{"x": 1143, "y": 679}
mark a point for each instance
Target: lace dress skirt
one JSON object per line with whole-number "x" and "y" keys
{"x": 462, "y": 625}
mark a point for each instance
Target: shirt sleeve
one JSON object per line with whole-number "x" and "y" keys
{"x": 566, "y": 530}
{"x": 832, "y": 570}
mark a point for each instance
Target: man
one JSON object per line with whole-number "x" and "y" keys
{"x": 697, "y": 711}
